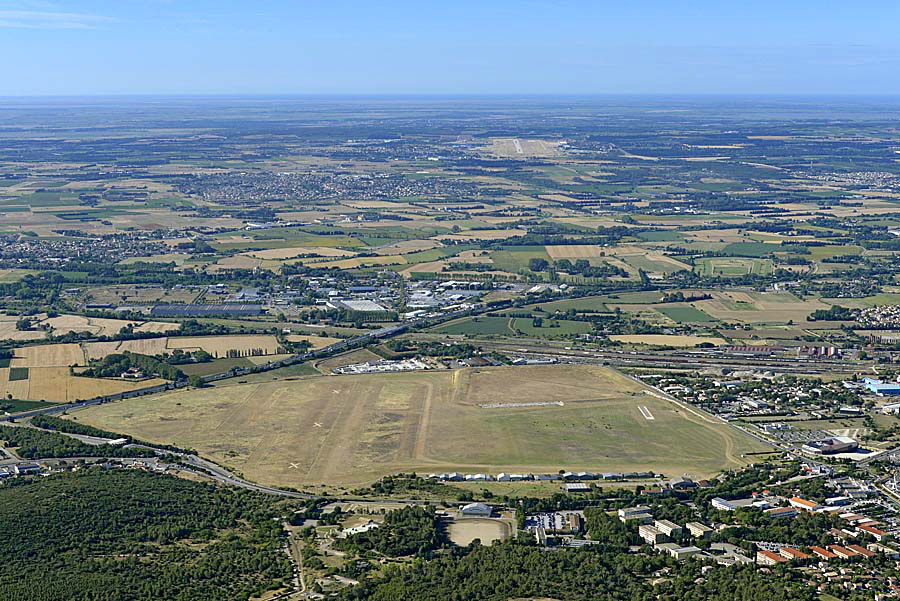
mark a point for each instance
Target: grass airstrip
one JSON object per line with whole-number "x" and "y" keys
{"x": 350, "y": 430}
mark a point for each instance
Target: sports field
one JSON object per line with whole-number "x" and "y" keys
{"x": 349, "y": 430}
{"x": 733, "y": 266}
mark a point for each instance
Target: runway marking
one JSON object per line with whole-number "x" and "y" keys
{"x": 518, "y": 146}
{"x": 645, "y": 412}
{"x": 294, "y": 466}
{"x": 317, "y": 425}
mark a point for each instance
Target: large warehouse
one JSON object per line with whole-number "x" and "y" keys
{"x": 829, "y": 446}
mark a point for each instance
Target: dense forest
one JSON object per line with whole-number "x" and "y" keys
{"x": 135, "y": 536}
{"x": 407, "y": 531}
{"x": 511, "y": 571}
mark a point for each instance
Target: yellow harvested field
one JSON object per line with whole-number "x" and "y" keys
{"x": 665, "y": 339}
{"x": 574, "y": 251}
{"x": 218, "y": 346}
{"x": 406, "y": 246}
{"x": 64, "y": 324}
{"x": 351, "y": 430}
{"x": 157, "y": 326}
{"x": 8, "y": 331}
{"x": 48, "y": 355}
{"x": 260, "y": 360}
{"x": 360, "y": 262}
{"x": 146, "y": 346}
{"x": 58, "y": 385}
{"x": 317, "y": 342}
{"x": 297, "y": 251}
{"x": 481, "y": 235}
{"x": 18, "y": 389}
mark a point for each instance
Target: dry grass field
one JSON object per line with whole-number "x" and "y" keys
{"x": 146, "y": 346}
{"x": 64, "y": 324}
{"x": 317, "y": 342}
{"x": 8, "y": 330}
{"x": 48, "y": 355}
{"x": 56, "y": 384}
{"x": 758, "y": 307}
{"x": 666, "y": 339}
{"x": 523, "y": 147}
{"x": 573, "y": 251}
{"x": 349, "y": 430}
{"x": 293, "y": 252}
{"x": 218, "y": 346}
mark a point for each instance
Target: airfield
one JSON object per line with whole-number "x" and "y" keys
{"x": 350, "y": 430}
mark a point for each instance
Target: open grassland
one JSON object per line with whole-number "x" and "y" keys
{"x": 353, "y": 429}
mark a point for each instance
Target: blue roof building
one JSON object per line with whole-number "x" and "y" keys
{"x": 881, "y": 388}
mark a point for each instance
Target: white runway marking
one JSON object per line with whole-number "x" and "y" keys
{"x": 518, "y": 146}
{"x": 645, "y": 412}
{"x": 317, "y": 425}
{"x": 294, "y": 466}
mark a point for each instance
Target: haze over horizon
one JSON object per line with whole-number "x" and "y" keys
{"x": 100, "y": 47}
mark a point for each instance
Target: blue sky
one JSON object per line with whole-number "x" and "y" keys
{"x": 74, "y": 47}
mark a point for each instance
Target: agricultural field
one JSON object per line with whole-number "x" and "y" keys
{"x": 220, "y": 346}
{"x": 352, "y": 429}
{"x": 666, "y": 339}
{"x": 56, "y": 384}
{"x": 683, "y": 313}
{"x": 732, "y": 266}
{"x": 64, "y": 324}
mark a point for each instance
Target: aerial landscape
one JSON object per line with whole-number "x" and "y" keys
{"x": 434, "y": 344}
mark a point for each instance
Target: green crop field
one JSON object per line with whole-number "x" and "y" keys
{"x": 732, "y": 266}
{"x": 18, "y": 373}
{"x": 350, "y": 430}
{"x": 474, "y": 326}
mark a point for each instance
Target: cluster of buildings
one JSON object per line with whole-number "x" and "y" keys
{"x": 383, "y": 366}
{"x": 663, "y": 535}
{"x": 563, "y": 476}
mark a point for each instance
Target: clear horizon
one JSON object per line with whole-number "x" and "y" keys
{"x": 400, "y": 48}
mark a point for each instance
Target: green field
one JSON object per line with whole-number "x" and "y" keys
{"x": 751, "y": 249}
{"x": 350, "y": 430}
{"x": 474, "y": 326}
{"x": 551, "y": 328}
{"x": 18, "y": 373}
{"x": 732, "y": 267}
{"x": 517, "y": 260}
{"x": 682, "y": 314}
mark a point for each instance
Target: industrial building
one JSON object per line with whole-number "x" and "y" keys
{"x": 830, "y": 446}
{"x": 880, "y": 387}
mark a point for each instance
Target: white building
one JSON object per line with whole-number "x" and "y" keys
{"x": 476, "y": 510}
